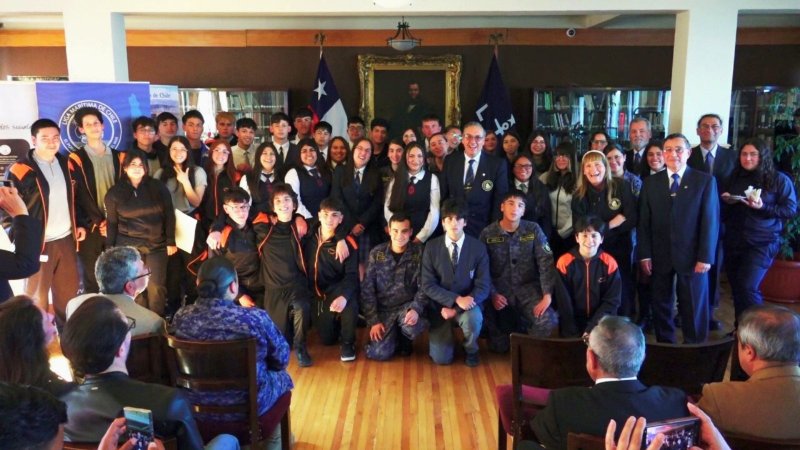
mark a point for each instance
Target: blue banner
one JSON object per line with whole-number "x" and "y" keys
{"x": 119, "y": 103}
{"x": 494, "y": 106}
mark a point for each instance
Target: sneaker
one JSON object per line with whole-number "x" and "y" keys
{"x": 348, "y": 352}
{"x": 472, "y": 360}
{"x": 303, "y": 358}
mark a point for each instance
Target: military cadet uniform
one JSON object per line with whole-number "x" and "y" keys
{"x": 391, "y": 288}
{"x": 522, "y": 270}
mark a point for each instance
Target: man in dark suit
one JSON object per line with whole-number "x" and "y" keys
{"x": 719, "y": 161}
{"x": 639, "y": 134}
{"x": 455, "y": 275}
{"x": 677, "y": 232}
{"x": 476, "y": 177}
{"x": 613, "y": 357}
{"x": 287, "y": 155}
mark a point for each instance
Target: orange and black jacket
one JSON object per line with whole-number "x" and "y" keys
{"x": 328, "y": 277}
{"x": 239, "y": 247}
{"x": 83, "y": 165}
{"x": 35, "y": 191}
{"x": 588, "y": 291}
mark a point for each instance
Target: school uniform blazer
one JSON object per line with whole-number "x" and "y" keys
{"x": 630, "y": 165}
{"x": 442, "y": 283}
{"x": 291, "y": 159}
{"x": 677, "y": 232}
{"x": 724, "y": 163}
{"x": 488, "y": 188}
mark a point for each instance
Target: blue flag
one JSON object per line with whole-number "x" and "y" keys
{"x": 325, "y": 101}
{"x": 494, "y": 106}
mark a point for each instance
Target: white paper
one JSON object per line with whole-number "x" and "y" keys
{"x": 184, "y": 231}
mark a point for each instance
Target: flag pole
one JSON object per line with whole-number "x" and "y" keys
{"x": 319, "y": 38}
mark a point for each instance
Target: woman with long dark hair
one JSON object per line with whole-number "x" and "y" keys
{"x": 222, "y": 175}
{"x": 756, "y": 202}
{"x": 311, "y": 180}
{"x": 415, "y": 191}
{"x": 186, "y": 184}
{"x": 654, "y": 155}
{"x": 560, "y": 182}
{"x": 358, "y": 187}
{"x": 338, "y": 152}
{"x": 140, "y": 214}
{"x": 25, "y": 333}
{"x": 397, "y": 151}
{"x": 259, "y": 182}
{"x": 539, "y": 148}
{"x": 616, "y": 164}
{"x": 611, "y": 199}
{"x": 537, "y": 200}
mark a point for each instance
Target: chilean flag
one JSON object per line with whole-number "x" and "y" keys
{"x": 325, "y": 102}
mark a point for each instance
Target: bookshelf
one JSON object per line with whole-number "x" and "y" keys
{"x": 574, "y": 113}
{"x": 258, "y": 105}
{"x": 764, "y": 111}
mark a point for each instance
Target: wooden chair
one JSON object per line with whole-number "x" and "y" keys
{"x": 209, "y": 366}
{"x": 537, "y": 366}
{"x": 742, "y": 442}
{"x": 147, "y": 360}
{"x": 583, "y": 441}
{"x": 686, "y": 366}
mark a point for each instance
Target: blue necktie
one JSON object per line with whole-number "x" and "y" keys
{"x": 710, "y": 162}
{"x": 357, "y": 181}
{"x": 676, "y": 183}
{"x": 454, "y": 255}
{"x": 470, "y": 174}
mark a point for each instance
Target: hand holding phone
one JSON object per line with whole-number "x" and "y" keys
{"x": 139, "y": 423}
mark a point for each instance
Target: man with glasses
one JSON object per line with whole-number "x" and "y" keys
{"x": 677, "y": 232}
{"x": 712, "y": 158}
{"x": 122, "y": 276}
{"x": 477, "y": 178}
{"x": 144, "y": 136}
{"x": 614, "y": 353}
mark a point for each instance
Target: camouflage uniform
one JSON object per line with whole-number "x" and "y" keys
{"x": 522, "y": 270}
{"x": 388, "y": 291}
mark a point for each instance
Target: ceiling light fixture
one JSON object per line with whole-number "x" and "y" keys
{"x": 403, "y": 40}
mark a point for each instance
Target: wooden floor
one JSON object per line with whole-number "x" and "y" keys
{"x": 406, "y": 403}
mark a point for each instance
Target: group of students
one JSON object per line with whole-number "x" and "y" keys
{"x": 300, "y": 219}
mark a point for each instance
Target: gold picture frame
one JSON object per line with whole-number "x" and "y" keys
{"x": 383, "y": 77}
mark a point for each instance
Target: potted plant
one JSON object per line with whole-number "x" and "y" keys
{"x": 782, "y": 281}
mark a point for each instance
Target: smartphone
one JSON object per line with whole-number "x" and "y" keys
{"x": 5, "y": 182}
{"x": 139, "y": 423}
{"x": 679, "y": 434}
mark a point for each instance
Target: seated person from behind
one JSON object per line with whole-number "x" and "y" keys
{"x": 333, "y": 281}
{"x": 523, "y": 275}
{"x": 96, "y": 341}
{"x": 391, "y": 298}
{"x": 237, "y": 243}
{"x": 122, "y": 276}
{"x": 768, "y": 404}
{"x": 455, "y": 276}
{"x": 215, "y": 317}
{"x": 590, "y": 284}
{"x": 614, "y": 355}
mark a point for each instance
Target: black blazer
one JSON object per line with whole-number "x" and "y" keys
{"x": 677, "y": 232}
{"x": 363, "y": 206}
{"x": 442, "y": 283}
{"x": 24, "y": 261}
{"x": 724, "y": 163}
{"x": 588, "y": 409}
{"x": 488, "y": 188}
{"x": 291, "y": 159}
{"x": 630, "y": 165}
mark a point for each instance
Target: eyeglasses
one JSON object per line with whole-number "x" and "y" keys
{"x": 706, "y": 126}
{"x": 523, "y": 166}
{"x": 598, "y": 141}
{"x": 146, "y": 274}
{"x": 131, "y": 322}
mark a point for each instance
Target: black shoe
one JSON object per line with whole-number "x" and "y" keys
{"x": 714, "y": 325}
{"x": 303, "y": 358}
{"x": 404, "y": 346}
{"x": 348, "y": 352}
{"x": 472, "y": 360}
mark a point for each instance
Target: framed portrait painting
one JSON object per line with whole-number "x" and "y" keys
{"x": 403, "y": 89}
